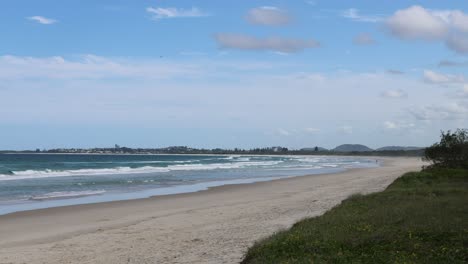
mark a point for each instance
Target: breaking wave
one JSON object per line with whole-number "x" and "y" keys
{"x": 64, "y": 195}
{"x": 35, "y": 174}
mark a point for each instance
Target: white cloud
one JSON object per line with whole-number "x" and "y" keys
{"x": 458, "y": 43}
{"x": 392, "y": 125}
{"x": 280, "y": 53}
{"x": 354, "y": 15}
{"x": 245, "y": 42}
{"x": 398, "y": 93}
{"x": 172, "y": 12}
{"x": 440, "y": 78}
{"x": 268, "y": 16}
{"x": 416, "y": 22}
{"x": 364, "y": 39}
{"x": 283, "y": 132}
{"x": 89, "y": 67}
{"x": 195, "y": 94}
{"x": 462, "y": 93}
{"x": 459, "y": 20}
{"x": 312, "y": 130}
{"x": 346, "y": 129}
{"x": 42, "y": 20}
{"x": 448, "y": 111}
{"x": 305, "y": 76}
{"x": 419, "y": 23}
{"x": 92, "y": 67}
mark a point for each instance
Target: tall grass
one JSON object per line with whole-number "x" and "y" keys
{"x": 420, "y": 218}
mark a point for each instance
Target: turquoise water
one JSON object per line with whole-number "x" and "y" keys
{"x": 31, "y": 181}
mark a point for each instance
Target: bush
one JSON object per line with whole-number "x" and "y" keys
{"x": 450, "y": 152}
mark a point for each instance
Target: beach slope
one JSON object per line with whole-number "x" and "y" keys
{"x": 214, "y": 226}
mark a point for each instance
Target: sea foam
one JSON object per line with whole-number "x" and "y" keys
{"x": 64, "y": 195}
{"x": 35, "y": 174}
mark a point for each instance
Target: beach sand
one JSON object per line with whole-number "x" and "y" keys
{"x": 213, "y": 226}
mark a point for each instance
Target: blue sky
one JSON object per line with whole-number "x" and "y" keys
{"x": 231, "y": 73}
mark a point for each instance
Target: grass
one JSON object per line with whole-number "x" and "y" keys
{"x": 420, "y": 218}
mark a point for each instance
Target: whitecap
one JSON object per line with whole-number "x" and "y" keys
{"x": 35, "y": 174}
{"x": 64, "y": 195}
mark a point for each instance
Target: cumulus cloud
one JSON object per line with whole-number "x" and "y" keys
{"x": 354, "y": 15}
{"x": 440, "y": 78}
{"x": 42, "y": 20}
{"x": 268, "y": 16}
{"x": 394, "y": 94}
{"x": 419, "y": 23}
{"x": 459, "y": 20}
{"x": 245, "y": 42}
{"x": 458, "y": 43}
{"x": 364, "y": 39}
{"x": 172, "y": 12}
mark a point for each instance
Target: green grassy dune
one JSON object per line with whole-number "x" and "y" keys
{"x": 420, "y": 218}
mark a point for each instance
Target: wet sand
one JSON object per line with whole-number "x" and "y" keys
{"x": 213, "y": 226}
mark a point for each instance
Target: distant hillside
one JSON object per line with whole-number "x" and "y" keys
{"x": 397, "y": 148}
{"x": 352, "y": 148}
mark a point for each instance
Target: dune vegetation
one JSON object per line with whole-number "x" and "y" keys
{"x": 422, "y": 217}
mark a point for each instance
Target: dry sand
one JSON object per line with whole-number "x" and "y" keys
{"x": 213, "y": 226}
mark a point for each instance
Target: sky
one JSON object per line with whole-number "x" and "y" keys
{"x": 228, "y": 74}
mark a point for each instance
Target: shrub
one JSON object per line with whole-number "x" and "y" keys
{"x": 450, "y": 152}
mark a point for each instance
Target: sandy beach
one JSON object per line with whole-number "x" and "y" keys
{"x": 213, "y": 226}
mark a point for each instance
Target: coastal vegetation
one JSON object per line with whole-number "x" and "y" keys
{"x": 422, "y": 217}
{"x": 346, "y": 149}
{"x": 450, "y": 152}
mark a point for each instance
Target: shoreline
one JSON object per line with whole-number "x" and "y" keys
{"x": 138, "y": 195}
{"x": 156, "y": 192}
{"x": 217, "y": 224}
{"x": 112, "y": 196}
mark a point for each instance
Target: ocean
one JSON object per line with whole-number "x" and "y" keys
{"x": 34, "y": 181}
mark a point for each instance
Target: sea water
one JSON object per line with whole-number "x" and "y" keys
{"x": 33, "y": 181}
